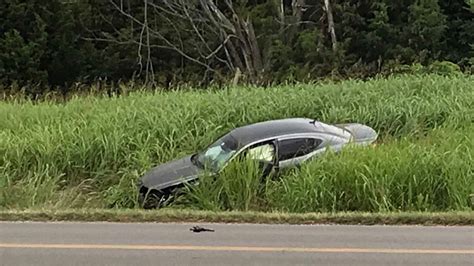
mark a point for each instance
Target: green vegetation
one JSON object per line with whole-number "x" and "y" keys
{"x": 88, "y": 153}
{"x": 88, "y": 103}
{"x": 58, "y": 43}
{"x": 433, "y": 173}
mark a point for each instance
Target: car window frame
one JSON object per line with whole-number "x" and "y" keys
{"x": 272, "y": 141}
{"x": 261, "y": 143}
{"x": 221, "y": 137}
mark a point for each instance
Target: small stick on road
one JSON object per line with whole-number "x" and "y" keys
{"x": 198, "y": 229}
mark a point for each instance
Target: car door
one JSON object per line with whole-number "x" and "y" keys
{"x": 265, "y": 153}
{"x": 294, "y": 151}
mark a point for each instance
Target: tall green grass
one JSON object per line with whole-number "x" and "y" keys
{"x": 241, "y": 186}
{"x": 432, "y": 173}
{"x": 90, "y": 151}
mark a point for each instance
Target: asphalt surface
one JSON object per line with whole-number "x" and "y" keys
{"x": 232, "y": 244}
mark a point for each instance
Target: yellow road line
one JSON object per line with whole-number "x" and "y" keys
{"x": 238, "y": 248}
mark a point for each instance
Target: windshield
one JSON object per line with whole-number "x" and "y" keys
{"x": 215, "y": 156}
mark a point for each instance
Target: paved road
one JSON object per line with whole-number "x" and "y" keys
{"x": 232, "y": 244}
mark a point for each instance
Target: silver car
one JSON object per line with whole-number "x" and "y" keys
{"x": 276, "y": 144}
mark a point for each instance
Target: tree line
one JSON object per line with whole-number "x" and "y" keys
{"x": 59, "y": 43}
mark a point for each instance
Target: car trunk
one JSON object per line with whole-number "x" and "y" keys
{"x": 361, "y": 134}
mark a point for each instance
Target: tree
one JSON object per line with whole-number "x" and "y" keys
{"x": 459, "y": 35}
{"x": 426, "y": 28}
{"x": 40, "y": 43}
{"x": 23, "y": 42}
{"x": 167, "y": 43}
{"x": 220, "y": 34}
{"x": 331, "y": 30}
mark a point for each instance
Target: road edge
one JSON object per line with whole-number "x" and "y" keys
{"x": 172, "y": 215}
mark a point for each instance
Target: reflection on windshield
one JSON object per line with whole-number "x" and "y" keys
{"x": 215, "y": 156}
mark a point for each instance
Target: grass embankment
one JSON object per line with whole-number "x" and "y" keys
{"x": 89, "y": 152}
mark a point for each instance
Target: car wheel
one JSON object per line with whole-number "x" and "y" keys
{"x": 153, "y": 199}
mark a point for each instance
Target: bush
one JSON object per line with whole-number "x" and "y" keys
{"x": 444, "y": 68}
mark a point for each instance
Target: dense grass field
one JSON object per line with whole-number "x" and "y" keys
{"x": 90, "y": 151}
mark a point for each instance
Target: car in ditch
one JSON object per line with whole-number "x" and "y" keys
{"x": 275, "y": 144}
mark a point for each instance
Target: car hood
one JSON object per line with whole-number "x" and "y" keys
{"x": 171, "y": 173}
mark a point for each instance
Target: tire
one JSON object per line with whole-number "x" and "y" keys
{"x": 153, "y": 199}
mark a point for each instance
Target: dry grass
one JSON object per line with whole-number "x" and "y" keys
{"x": 177, "y": 215}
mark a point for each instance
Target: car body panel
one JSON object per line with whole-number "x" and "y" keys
{"x": 171, "y": 173}
{"x": 362, "y": 134}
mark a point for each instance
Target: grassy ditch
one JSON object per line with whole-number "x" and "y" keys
{"x": 89, "y": 152}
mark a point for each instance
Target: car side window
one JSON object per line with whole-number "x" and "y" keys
{"x": 292, "y": 148}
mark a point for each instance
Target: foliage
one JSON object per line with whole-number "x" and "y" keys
{"x": 89, "y": 151}
{"x": 239, "y": 187}
{"x": 424, "y": 174}
{"x": 432, "y": 173}
{"x": 62, "y": 42}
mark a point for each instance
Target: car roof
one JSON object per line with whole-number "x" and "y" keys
{"x": 276, "y": 128}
